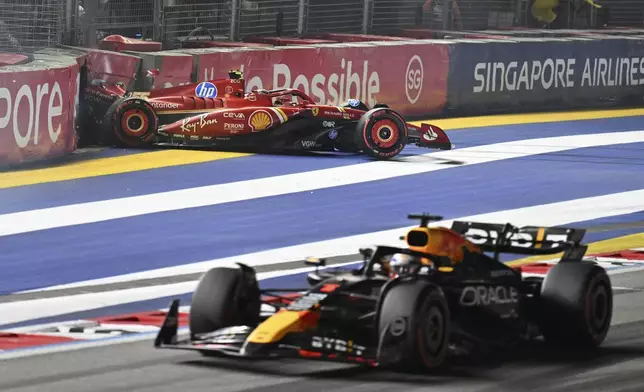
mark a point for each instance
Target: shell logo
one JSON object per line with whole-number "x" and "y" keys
{"x": 260, "y": 120}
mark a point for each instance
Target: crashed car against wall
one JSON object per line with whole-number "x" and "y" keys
{"x": 407, "y": 307}
{"x": 219, "y": 113}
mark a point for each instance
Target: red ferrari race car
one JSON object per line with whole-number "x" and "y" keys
{"x": 219, "y": 113}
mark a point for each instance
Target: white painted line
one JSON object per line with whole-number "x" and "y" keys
{"x": 77, "y": 345}
{"x": 547, "y": 214}
{"x": 105, "y": 328}
{"x": 15, "y": 312}
{"x": 80, "y": 336}
{"x": 49, "y": 326}
{"x": 19, "y": 311}
{"x": 624, "y": 270}
{"x": 48, "y": 218}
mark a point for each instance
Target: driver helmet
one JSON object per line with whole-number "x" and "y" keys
{"x": 402, "y": 264}
{"x": 235, "y": 74}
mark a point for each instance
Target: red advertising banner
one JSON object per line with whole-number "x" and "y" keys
{"x": 411, "y": 77}
{"x": 112, "y": 66}
{"x": 174, "y": 71}
{"x": 37, "y": 113}
{"x": 164, "y": 69}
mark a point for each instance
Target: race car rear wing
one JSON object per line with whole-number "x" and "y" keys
{"x": 528, "y": 240}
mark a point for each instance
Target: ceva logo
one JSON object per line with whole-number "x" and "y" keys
{"x": 206, "y": 90}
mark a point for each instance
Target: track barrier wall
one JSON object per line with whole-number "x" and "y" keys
{"x": 112, "y": 67}
{"x": 163, "y": 69}
{"x": 38, "y": 108}
{"x": 501, "y": 72}
{"x": 550, "y": 74}
{"x": 392, "y": 72}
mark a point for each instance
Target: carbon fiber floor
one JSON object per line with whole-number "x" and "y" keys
{"x": 139, "y": 367}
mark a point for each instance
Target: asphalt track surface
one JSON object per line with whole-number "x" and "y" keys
{"x": 134, "y": 367}
{"x": 95, "y": 258}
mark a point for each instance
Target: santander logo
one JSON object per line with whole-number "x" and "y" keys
{"x": 414, "y": 79}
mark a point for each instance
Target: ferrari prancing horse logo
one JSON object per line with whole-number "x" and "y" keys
{"x": 315, "y": 111}
{"x": 260, "y": 120}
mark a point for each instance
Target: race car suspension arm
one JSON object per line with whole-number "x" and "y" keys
{"x": 281, "y": 298}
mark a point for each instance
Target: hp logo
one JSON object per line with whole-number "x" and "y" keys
{"x": 206, "y": 90}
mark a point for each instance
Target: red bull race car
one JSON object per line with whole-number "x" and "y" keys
{"x": 407, "y": 307}
{"x": 221, "y": 114}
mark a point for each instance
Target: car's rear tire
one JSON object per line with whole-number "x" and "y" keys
{"x": 132, "y": 122}
{"x": 381, "y": 133}
{"x": 414, "y": 326}
{"x": 225, "y": 297}
{"x": 577, "y": 304}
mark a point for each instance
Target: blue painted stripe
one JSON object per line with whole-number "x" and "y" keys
{"x": 508, "y": 133}
{"x": 259, "y": 166}
{"x": 115, "y": 247}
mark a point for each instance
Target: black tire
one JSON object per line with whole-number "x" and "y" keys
{"x": 131, "y": 122}
{"x": 414, "y": 317}
{"x": 577, "y": 304}
{"x": 381, "y": 133}
{"x": 224, "y": 297}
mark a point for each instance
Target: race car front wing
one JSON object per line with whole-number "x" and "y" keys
{"x": 232, "y": 342}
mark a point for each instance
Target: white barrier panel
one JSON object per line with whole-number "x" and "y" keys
{"x": 38, "y": 108}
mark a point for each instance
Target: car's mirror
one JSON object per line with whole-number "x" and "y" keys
{"x": 366, "y": 253}
{"x": 315, "y": 261}
{"x": 152, "y": 73}
{"x": 97, "y": 82}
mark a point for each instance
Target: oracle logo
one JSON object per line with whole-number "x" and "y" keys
{"x": 489, "y": 295}
{"x": 414, "y": 79}
{"x": 23, "y": 112}
{"x": 518, "y": 239}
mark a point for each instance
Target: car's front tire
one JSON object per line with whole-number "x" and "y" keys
{"x": 224, "y": 297}
{"x": 381, "y": 133}
{"x": 132, "y": 122}
{"x": 414, "y": 326}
